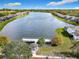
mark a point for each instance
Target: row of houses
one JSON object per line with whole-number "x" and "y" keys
{"x": 67, "y": 17}
{"x": 11, "y": 16}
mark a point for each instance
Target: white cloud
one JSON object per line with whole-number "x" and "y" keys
{"x": 76, "y": 8}
{"x": 61, "y": 2}
{"x": 12, "y": 4}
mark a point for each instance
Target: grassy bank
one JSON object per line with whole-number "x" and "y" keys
{"x": 67, "y": 21}
{"x": 2, "y": 24}
{"x": 6, "y": 13}
{"x": 63, "y": 48}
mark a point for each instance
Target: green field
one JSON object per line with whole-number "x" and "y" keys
{"x": 64, "y": 48}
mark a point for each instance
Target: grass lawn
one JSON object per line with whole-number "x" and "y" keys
{"x": 67, "y": 21}
{"x": 37, "y": 58}
{"x": 65, "y": 47}
{"x": 0, "y": 49}
{"x": 2, "y": 24}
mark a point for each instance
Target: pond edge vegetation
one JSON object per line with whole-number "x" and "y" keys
{"x": 2, "y": 24}
{"x": 66, "y": 21}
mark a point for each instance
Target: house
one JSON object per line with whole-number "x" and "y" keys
{"x": 35, "y": 40}
{"x": 73, "y": 31}
{"x": 68, "y": 17}
{"x": 60, "y": 15}
{"x": 70, "y": 30}
{"x": 76, "y": 35}
{"x": 11, "y": 16}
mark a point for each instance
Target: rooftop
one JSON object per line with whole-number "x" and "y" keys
{"x": 73, "y": 30}
{"x": 34, "y": 40}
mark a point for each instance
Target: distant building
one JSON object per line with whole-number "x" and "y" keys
{"x": 68, "y": 17}
{"x": 60, "y": 15}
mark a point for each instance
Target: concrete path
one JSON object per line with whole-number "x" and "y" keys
{"x": 41, "y": 56}
{"x": 51, "y": 57}
{"x": 34, "y": 55}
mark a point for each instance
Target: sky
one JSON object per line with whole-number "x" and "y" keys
{"x": 39, "y": 4}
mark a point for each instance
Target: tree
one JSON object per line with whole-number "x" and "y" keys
{"x": 17, "y": 50}
{"x": 57, "y": 40}
{"x": 4, "y": 40}
{"x": 41, "y": 41}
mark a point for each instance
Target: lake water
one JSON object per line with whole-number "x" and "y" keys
{"x": 35, "y": 25}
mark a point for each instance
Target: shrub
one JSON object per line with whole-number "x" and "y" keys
{"x": 57, "y": 40}
{"x": 41, "y": 41}
{"x": 17, "y": 50}
{"x": 4, "y": 40}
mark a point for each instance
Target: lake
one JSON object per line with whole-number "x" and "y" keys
{"x": 35, "y": 25}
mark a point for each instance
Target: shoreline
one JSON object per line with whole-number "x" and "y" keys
{"x": 66, "y": 21}
{"x": 2, "y": 24}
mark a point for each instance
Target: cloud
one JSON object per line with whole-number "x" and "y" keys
{"x": 12, "y": 4}
{"x": 76, "y": 8}
{"x": 61, "y": 2}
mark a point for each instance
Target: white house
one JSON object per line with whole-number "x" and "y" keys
{"x": 35, "y": 40}
{"x": 70, "y": 30}
{"x": 60, "y": 15}
{"x": 68, "y": 17}
{"x": 73, "y": 31}
{"x": 76, "y": 35}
